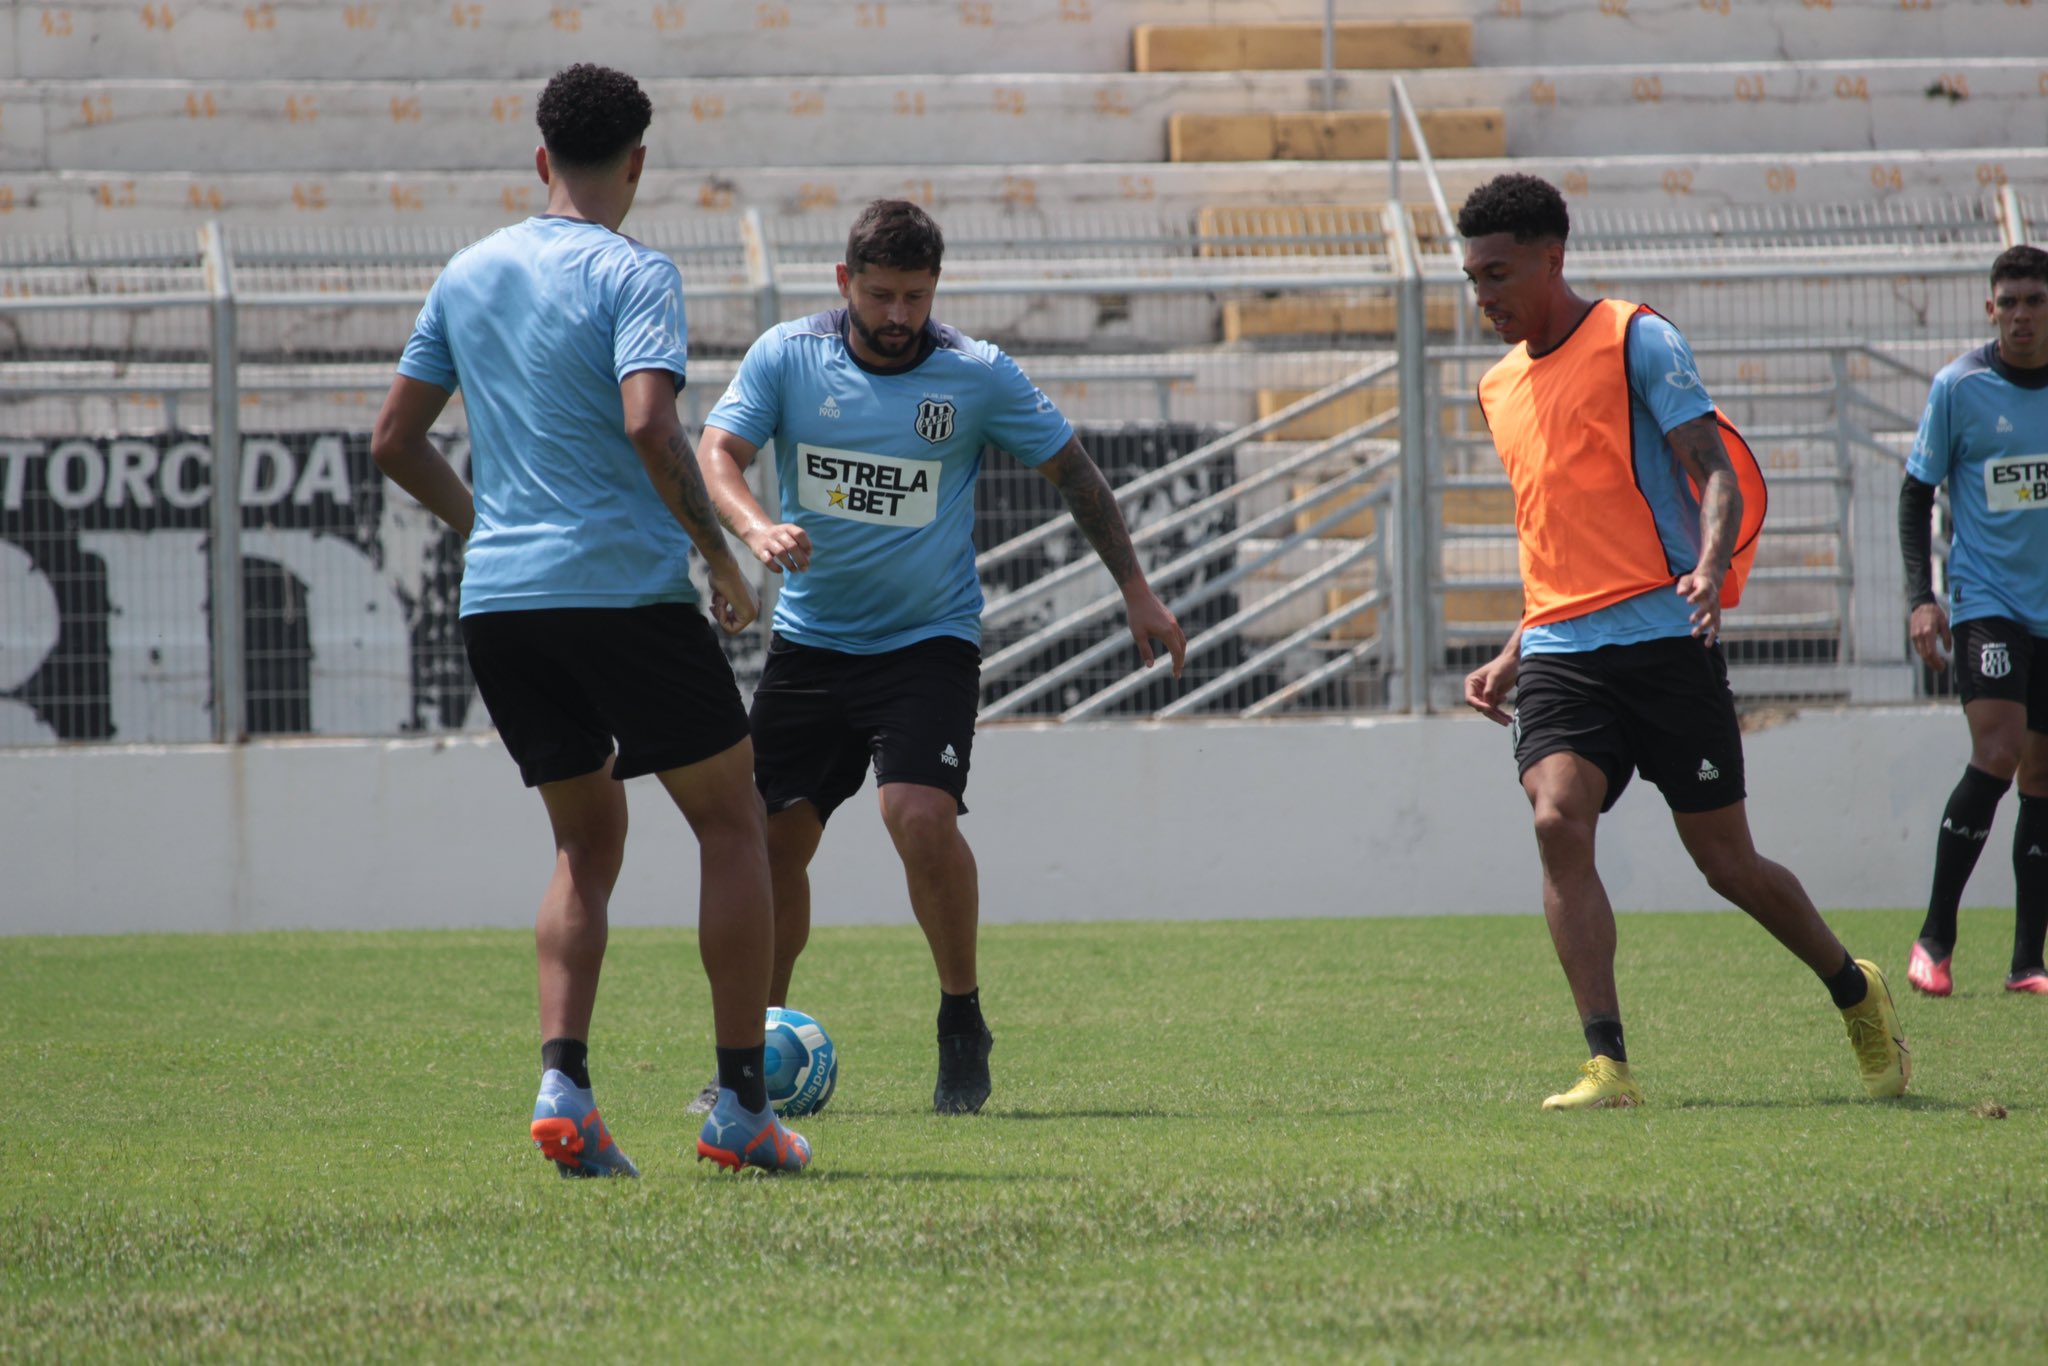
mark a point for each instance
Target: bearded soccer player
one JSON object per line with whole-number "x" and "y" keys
{"x": 879, "y": 417}
{"x": 1636, "y": 524}
{"x": 1985, "y": 432}
{"x": 580, "y": 622}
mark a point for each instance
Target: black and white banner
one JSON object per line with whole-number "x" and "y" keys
{"x": 350, "y": 592}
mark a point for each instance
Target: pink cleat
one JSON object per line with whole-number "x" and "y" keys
{"x": 2034, "y": 982}
{"x": 1932, "y": 978}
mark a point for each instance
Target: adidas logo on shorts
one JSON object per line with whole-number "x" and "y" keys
{"x": 1708, "y": 773}
{"x": 949, "y": 758}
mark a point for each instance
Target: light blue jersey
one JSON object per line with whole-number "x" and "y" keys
{"x": 1664, "y": 392}
{"x": 1985, "y": 431}
{"x": 878, "y": 467}
{"x": 537, "y": 325}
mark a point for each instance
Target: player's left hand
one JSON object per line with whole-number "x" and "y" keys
{"x": 1150, "y": 620}
{"x": 733, "y": 605}
{"x": 1702, "y": 589}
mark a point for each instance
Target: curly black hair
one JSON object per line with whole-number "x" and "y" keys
{"x": 894, "y": 233}
{"x": 592, "y": 115}
{"x": 1525, "y": 205}
{"x": 2020, "y": 263}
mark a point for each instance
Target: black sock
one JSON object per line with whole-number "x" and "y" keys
{"x": 1848, "y": 986}
{"x": 960, "y": 1014}
{"x": 1603, "y": 1038}
{"x": 2030, "y": 883}
{"x": 744, "y": 1072}
{"x": 1964, "y": 824}
{"x": 570, "y": 1057}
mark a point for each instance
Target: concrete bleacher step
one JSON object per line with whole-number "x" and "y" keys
{"x": 453, "y": 125}
{"x": 1397, "y": 44}
{"x": 86, "y": 203}
{"x": 257, "y": 39}
{"x": 1326, "y": 315}
{"x": 290, "y": 39}
{"x": 1582, "y": 112}
{"x": 479, "y": 125}
{"x": 1571, "y": 32}
{"x": 1816, "y": 106}
{"x": 1452, "y": 134}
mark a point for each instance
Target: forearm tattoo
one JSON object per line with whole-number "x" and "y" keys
{"x": 1093, "y": 505}
{"x": 1698, "y": 446}
{"x": 692, "y": 501}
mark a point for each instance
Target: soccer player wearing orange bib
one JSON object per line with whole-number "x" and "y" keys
{"x": 1637, "y": 509}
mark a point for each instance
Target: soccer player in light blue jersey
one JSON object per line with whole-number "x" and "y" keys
{"x": 578, "y": 615}
{"x": 1985, "y": 434}
{"x": 880, "y": 417}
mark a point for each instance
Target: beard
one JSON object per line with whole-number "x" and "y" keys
{"x": 894, "y": 347}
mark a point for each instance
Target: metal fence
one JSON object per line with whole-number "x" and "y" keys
{"x": 194, "y": 543}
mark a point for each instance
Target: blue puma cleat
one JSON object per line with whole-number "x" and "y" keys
{"x": 568, "y": 1132}
{"x": 736, "y": 1139}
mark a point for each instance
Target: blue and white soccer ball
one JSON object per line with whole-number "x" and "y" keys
{"x": 803, "y": 1067}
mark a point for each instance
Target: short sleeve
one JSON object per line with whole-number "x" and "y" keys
{"x": 751, "y": 407}
{"x": 1020, "y": 418}
{"x": 1663, "y": 375}
{"x": 648, "y": 332}
{"x": 1932, "y": 452}
{"x": 426, "y": 355}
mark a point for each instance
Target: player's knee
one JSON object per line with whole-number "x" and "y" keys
{"x": 1561, "y": 832}
{"x": 1731, "y": 873}
{"x": 921, "y": 822}
{"x": 1997, "y": 754}
{"x": 594, "y": 856}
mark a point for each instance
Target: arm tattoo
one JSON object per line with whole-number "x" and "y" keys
{"x": 692, "y": 502}
{"x": 1093, "y": 505}
{"x": 1705, "y": 460}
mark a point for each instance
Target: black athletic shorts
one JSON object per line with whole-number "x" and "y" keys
{"x": 1659, "y": 707}
{"x": 1995, "y": 658}
{"x": 822, "y": 716}
{"x": 562, "y": 683}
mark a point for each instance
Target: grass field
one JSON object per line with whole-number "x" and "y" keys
{"x": 1226, "y": 1140}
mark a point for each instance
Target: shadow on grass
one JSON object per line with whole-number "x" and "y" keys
{"x": 1039, "y": 1115}
{"x": 830, "y": 1174}
{"x": 1930, "y": 1104}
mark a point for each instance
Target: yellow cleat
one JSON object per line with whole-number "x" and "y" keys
{"x": 1603, "y": 1084}
{"x": 1881, "y": 1053}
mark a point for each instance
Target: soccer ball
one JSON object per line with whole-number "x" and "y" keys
{"x": 803, "y": 1067}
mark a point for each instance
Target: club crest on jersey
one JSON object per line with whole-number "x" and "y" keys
{"x": 1996, "y": 661}
{"x": 935, "y": 420}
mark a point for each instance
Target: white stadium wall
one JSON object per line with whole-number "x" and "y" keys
{"x": 1394, "y": 816}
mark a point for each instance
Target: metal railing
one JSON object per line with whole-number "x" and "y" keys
{"x": 1306, "y": 502}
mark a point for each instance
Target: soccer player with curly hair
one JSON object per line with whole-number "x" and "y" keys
{"x": 1637, "y": 509}
{"x": 581, "y": 625}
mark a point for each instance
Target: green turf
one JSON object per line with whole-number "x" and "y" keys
{"x": 1233, "y": 1140}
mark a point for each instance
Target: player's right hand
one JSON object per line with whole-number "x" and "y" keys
{"x": 733, "y": 604}
{"x": 1487, "y": 686}
{"x": 1931, "y": 638}
{"x": 781, "y": 545}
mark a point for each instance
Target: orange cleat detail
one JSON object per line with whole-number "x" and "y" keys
{"x": 560, "y": 1140}
{"x": 731, "y": 1161}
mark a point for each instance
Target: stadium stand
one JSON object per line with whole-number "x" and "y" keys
{"x": 115, "y": 116}
{"x": 1161, "y": 204}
